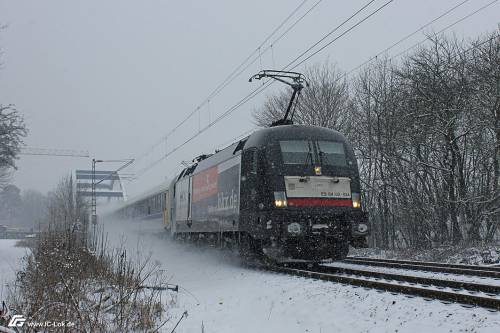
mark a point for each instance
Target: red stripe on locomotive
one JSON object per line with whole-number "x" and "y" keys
{"x": 299, "y": 202}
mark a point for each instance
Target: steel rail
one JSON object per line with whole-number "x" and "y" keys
{"x": 442, "y": 295}
{"x": 492, "y": 290}
{"x": 494, "y": 268}
{"x": 483, "y": 271}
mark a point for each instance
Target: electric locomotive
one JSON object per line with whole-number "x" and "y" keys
{"x": 285, "y": 192}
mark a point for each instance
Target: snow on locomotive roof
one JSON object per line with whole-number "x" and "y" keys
{"x": 262, "y": 137}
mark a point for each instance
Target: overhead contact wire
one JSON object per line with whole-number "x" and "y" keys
{"x": 260, "y": 89}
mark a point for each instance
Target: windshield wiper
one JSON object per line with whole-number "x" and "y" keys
{"x": 323, "y": 155}
{"x": 308, "y": 155}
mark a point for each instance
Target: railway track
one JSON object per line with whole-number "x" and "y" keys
{"x": 17, "y": 234}
{"x": 447, "y": 291}
{"x": 495, "y": 267}
{"x": 471, "y": 270}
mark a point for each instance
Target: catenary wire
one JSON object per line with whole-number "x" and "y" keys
{"x": 266, "y": 84}
{"x": 256, "y": 92}
{"x": 447, "y": 27}
{"x": 260, "y": 89}
{"x": 331, "y": 32}
{"x": 342, "y": 34}
{"x": 270, "y": 47}
{"x": 405, "y": 38}
{"x": 224, "y": 83}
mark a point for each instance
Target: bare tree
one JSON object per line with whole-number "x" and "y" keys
{"x": 484, "y": 66}
{"x": 68, "y": 212}
{"x": 427, "y": 162}
{"x": 377, "y": 141}
{"x": 437, "y": 80}
{"x": 4, "y": 177}
{"x": 102, "y": 290}
{"x": 12, "y": 131}
{"x": 10, "y": 204}
{"x": 323, "y": 103}
{"x": 34, "y": 209}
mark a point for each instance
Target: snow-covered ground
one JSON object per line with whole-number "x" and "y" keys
{"x": 10, "y": 260}
{"x": 223, "y": 296}
{"x": 480, "y": 255}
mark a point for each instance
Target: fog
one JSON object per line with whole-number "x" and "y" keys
{"x": 114, "y": 77}
{"x": 147, "y": 240}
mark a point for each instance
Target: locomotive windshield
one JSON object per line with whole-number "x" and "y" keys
{"x": 331, "y": 153}
{"x": 296, "y": 152}
{"x": 302, "y": 152}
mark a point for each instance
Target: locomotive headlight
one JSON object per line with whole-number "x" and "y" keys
{"x": 356, "y": 200}
{"x": 280, "y": 199}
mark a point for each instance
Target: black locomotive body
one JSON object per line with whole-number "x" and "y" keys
{"x": 302, "y": 199}
{"x": 284, "y": 192}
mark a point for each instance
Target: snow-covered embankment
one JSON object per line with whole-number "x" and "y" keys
{"x": 226, "y": 297}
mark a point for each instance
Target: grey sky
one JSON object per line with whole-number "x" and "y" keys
{"x": 113, "y": 77}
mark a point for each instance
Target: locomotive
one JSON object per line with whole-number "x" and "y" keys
{"x": 286, "y": 192}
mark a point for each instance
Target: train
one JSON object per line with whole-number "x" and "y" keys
{"x": 286, "y": 192}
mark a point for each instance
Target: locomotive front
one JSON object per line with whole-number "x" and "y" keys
{"x": 301, "y": 193}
